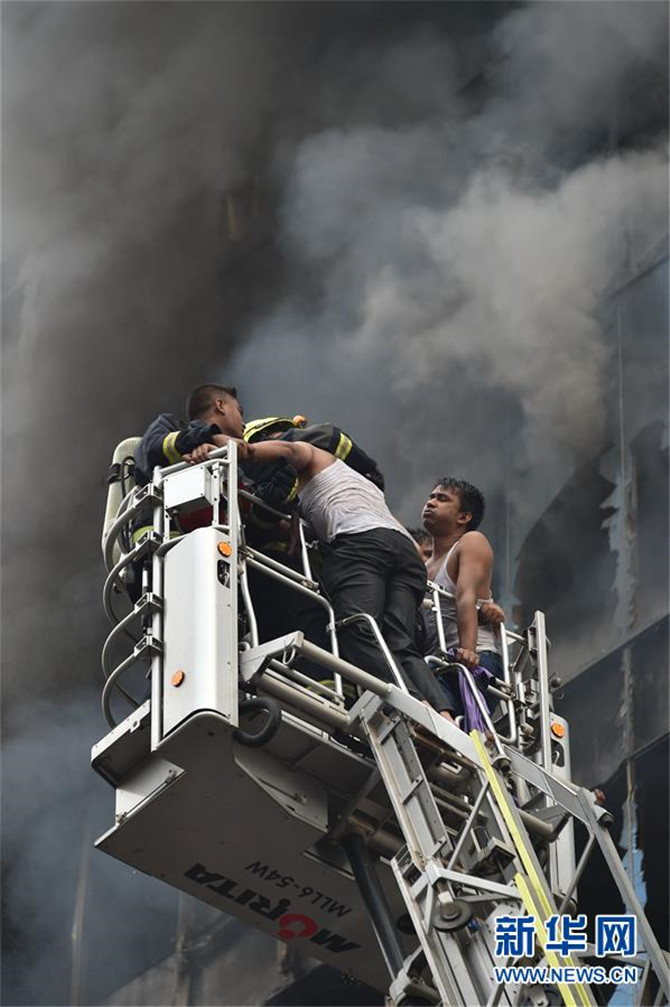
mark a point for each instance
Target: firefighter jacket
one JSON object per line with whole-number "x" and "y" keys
{"x": 166, "y": 441}
{"x": 334, "y": 440}
{"x": 322, "y": 435}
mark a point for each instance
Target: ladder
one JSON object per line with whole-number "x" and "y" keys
{"x": 467, "y": 831}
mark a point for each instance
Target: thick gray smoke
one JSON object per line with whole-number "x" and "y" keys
{"x": 461, "y": 260}
{"x": 426, "y": 269}
{"x": 114, "y": 228}
{"x": 124, "y": 126}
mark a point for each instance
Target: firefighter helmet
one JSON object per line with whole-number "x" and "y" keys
{"x": 260, "y": 430}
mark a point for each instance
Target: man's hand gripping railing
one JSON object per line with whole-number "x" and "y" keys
{"x": 434, "y": 593}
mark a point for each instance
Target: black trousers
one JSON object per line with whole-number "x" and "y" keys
{"x": 379, "y": 572}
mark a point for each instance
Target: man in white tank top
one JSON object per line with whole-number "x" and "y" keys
{"x": 370, "y": 564}
{"x": 462, "y": 563}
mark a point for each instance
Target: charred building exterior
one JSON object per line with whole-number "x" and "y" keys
{"x": 596, "y": 563}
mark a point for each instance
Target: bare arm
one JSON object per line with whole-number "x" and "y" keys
{"x": 299, "y": 454}
{"x": 306, "y": 459}
{"x": 474, "y": 572}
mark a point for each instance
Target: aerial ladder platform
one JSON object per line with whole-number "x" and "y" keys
{"x": 341, "y": 816}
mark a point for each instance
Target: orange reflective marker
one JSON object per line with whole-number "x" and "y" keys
{"x": 558, "y": 730}
{"x": 225, "y": 548}
{"x": 178, "y": 678}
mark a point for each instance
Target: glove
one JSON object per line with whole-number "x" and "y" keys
{"x": 281, "y": 488}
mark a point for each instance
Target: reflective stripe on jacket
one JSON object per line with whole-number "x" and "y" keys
{"x": 166, "y": 440}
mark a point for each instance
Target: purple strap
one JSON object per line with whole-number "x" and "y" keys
{"x": 472, "y": 715}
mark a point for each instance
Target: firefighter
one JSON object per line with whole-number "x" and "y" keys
{"x": 211, "y": 410}
{"x": 214, "y": 410}
{"x": 322, "y": 435}
{"x": 271, "y": 477}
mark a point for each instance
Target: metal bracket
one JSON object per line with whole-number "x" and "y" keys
{"x": 149, "y": 543}
{"x": 253, "y": 662}
{"x": 493, "y": 890}
{"x": 148, "y": 604}
{"x": 562, "y": 793}
{"x": 148, "y": 646}
{"x": 490, "y": 858}
{"x": 405, "y": 985}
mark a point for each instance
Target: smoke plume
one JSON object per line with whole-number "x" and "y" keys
{"x": 439, "y": 198}
{"x": 456, "y": 264}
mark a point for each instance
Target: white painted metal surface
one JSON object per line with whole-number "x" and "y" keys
{"x": 199, "y": 664}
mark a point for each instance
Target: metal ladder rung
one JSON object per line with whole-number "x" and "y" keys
{"x": 411, "y": 789}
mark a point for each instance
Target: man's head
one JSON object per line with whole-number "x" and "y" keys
{"x": 217, "y": 404}
{"x": 454, "y": 505}
{"x": 423, "y": 541}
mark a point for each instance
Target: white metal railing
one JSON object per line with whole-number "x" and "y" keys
{"x": 522, "y": 702}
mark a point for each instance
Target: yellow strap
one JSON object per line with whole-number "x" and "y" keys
{"x": 170, "y": 449}
{"x": 294, "y": 492}
{"x": 344, "y": 446}
{"x": 277, "y": 546}
{"x": 140, "y": 532}
{"x": 502, "y": 799}
{"x": 553, "y": 959}
{"x": 348, "y": 689}
{"x": 539, "y": 905}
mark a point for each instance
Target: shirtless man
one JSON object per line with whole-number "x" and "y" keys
{"x": 370, "y": 564}
{"x": 462, "y": 563}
